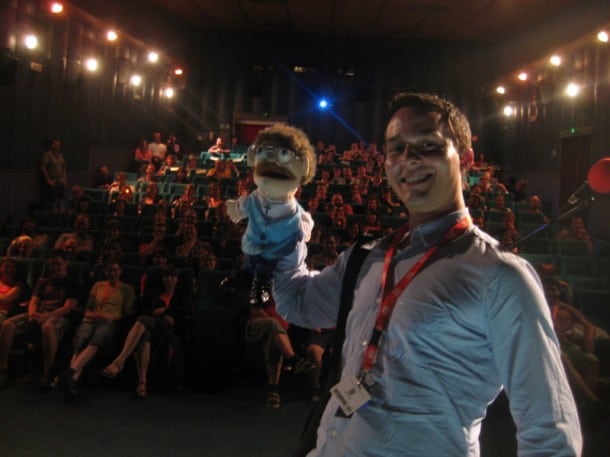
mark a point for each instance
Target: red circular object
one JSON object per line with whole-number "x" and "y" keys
{"x": 599, "y": 176}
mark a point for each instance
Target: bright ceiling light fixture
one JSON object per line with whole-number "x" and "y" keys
{"x": 572, "y": 90}
{"x": 500, "y": 90}
{"x": 111, "y": 35}
{"x": 153, "y": 57}
{"x": 31, "y": 41}
{"x": 57, "y": 8}
{"x": 509, "y": 111}
{"x": 135, "y": 80}
{"x": 555, "y": 60}
{"x": 522, "y": 76}
{"x": 168, "y": 92}
{"x": 602, "y": 36}
{"x": 91, "y": 64}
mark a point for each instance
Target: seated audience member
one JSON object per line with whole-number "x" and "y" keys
{"x": 212, "y": 200}
{"x": 54, "y": 296}
{"x": 108, "y": 301}
{"x": 85, "y": 244}
{"x": 157, "y": 149}
{"x": 362, "y": 177}
{"x": 352, "y": 233}
{"x": 223, "y": 226}
{"x": 337, "y": 177}
{"x": 520, "y": 190}
{"x": 508, "y": 239}
{"x": 387, "y": 198}
{"x": 141, "y": 152}
{"x": 500, "y": 204}
{"x": 577, "y": 232}
{"x": 327, "y": 256}
{"x": 118, "y": 186}
{"x": 315, "y": 343}
{"x": 187, "y": 199}
{"x": 577, "y": 348}
{"x": 11, "y": 290}
{"x": 182, "y": 176}
{"x": 207, "y": 261}
{"x": 158, "y": 242}
{"x": 372, "y": 224}
{"x": 218, "y": 148}
{"x": 151, "y": 195}
{"x": 29, "y": 227}
{"x": 21, "y": 247}
{"x": 189, "y": 245}
{"x": 113, "y": 233}
{"x": 103, "y": 178}
{"x": 169, "y": 164}
{"x": 336, "y": 201}
{"x": 476, "y": 204}
{"x": 348, "y": 176}
{"x": 313, "y": 205}
{"x": 324, "y": 177}
{"x": 267, "y": 329}
{"x": 161, "y": 323}
{"x": 479, "y": 221}
{"x": 157, "y": 259}
{"x": 148, "y": 177}
{"x": 224, "y": 170}
{"x": 356, "y": 195}
{"x": 535, "y": 207}
{"x": 82, "y": 205}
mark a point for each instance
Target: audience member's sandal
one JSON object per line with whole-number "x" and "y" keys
{"x": 112, "y": 370}
{"x": 273, "y": 400}
{"x": 141, "y": 390}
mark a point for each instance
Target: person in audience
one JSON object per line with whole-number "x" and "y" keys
{"x": 500, "y": 204}
{"x": 212, "y": 200}
{"x": 113, "y": 233}
{"x": 103, "y": 177}
{"x": 362, "y": 178}
{"x": 325, "y": 177}
{"x": 21, "y": 247}
{"x": 218, "y": 148}
{"x": 120, "y": 188}
{"x": 387, "y": 197}
{"x": 174, "y": 148}
{"x": 520, "y": 190}
{"x": 168, "y": 165}
{"x": 356, "y": 195}
{"x": 85, "y": 244}
{"x": 162, "y": 322}
{"x": 577, "y": 340}
{"x": 158, "y": 258}
{"x": 149, "y": 176}
{"x": 352, "y": 233}
{"x": 535, "y": 207}
{"x": 29, "y": 227}
{"x": 157, "y": 149}
{"x": 454, "y": 341}
{"x": 142, "y": 153}
{"x": 577, "y": 232}
{"x": 82, "y": 205}
{"x": 336, "y": 201}
{"x": 222, "y": 225}
{"x": 151, "y": 195}
{"x": 337, "y": 177}
{"x": 327, "y": 256}
{"x": 321, "y": 193}
{"x": 108, "y": 302}
{"x": 11, "y": 290}
{"x": 267, "y": 329}
{"x": 189, "y": 246}
{"x": 224, "y": 170}
{"x": 207, "y": 261}
{"x": 182, "y": 176}
{"x": 158, "y": 242}
{"x": 372, "y": 224}
{"x": 186, "y": 200}
{"x": 54, "y": 296}
{"x": 348, "y": 176}
{"x": 54, "y": 176}
{"x": 313, "y": 205}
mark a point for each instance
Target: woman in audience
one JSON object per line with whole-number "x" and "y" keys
{"x": 372, "y": 224}
{"x": 162, "y": 322}
{"x": 28, "y": 227}
{"x": 190, "y": 246}
{"x": 158, "y": 242}
{"x": 10, "y": 289}
{"x": 20, "y": 247}
{"x": 151, "y": 195}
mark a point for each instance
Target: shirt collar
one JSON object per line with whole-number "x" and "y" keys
{"x": 432, "y": 232}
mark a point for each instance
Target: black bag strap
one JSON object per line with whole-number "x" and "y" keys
{"x": 350, "y": 276}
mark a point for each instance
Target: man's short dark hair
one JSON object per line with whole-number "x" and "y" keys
{"x": 170, "y": 270}
{"x": 457, "y": 125}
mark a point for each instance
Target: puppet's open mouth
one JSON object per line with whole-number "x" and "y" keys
{"x": 273, "y": 171}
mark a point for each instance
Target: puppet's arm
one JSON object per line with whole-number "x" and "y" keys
{"x": 236, "y": 209}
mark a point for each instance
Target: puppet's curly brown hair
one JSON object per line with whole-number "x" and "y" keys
{"x": 289, "y": 137}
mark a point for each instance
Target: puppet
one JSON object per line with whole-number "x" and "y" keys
{"x": 283, "y": 159}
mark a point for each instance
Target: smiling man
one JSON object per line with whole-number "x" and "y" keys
{"x": 441, "y": 318}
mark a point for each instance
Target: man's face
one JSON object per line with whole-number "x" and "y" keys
{"x": 422, "y": 163}
{"x": 113, "y": 272}
{"x": 278, "y": 171}
{"x": 58, "y": 267}
{"x": 81, "y": 225}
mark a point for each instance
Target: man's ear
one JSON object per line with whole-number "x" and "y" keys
{"x": 466, "y": 159}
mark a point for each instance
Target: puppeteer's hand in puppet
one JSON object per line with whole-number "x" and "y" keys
{"x": 283, "y": 159}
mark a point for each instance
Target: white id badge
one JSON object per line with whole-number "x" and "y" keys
{"x": 350, "y": 394}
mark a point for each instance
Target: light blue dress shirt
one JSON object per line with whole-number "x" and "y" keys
{"x": 472, "y": 322}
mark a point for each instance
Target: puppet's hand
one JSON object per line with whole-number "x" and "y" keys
{"x": 233, "y": 210}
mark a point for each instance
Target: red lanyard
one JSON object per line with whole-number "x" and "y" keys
{"x": 391, "y": 297}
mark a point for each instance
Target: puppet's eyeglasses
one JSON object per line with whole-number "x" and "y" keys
{"x": 281, "y": 155}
